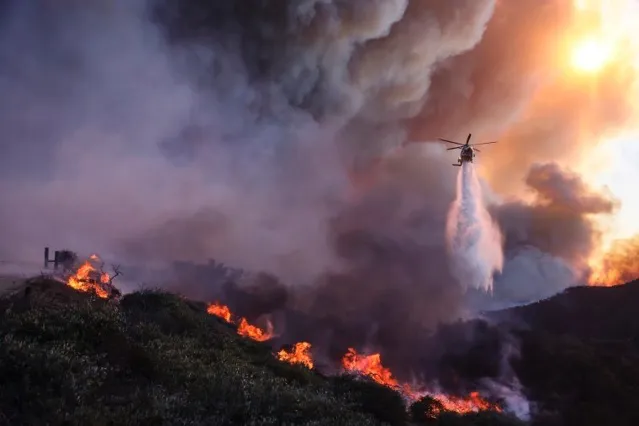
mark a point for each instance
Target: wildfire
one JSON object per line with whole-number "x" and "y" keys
{"x": 371, "y": 366}
{"x": 247, "y": 330}
{"x": 220, "y": 310}
{"x": 88, "y": 279}
{"x": 299, "y": 355}
{"x": 618, "y": 265}
{"x": 368, "y": 365}
{"x": 472, "y": 404}
{"x": 244, "y": 328}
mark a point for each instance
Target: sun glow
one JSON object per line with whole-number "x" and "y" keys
{"x": 591, "y": 55}
{"x": 602, "y": 27}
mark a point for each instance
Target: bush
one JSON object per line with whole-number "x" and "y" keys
{"x": 71, "y": 358}
{"x": 384, "y": 403}
{"x": 156, "y": 359}
{"x": 425, "y": 410}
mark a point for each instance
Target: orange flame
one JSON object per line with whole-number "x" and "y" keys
{"x": 87, "y": 278}
{"x": 619, "y": 265}
{"x": 220, "y": 310}
{"x": 368, "y": 365}
{"x": 471, "y": 404}
{"x": 243, "y": 328}
{"x": 299, "y": 355}
{"x": 247, "y": 330}
{"x": 371, "y": 366}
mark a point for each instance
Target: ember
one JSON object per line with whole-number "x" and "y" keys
{"x": 299, "y": 355}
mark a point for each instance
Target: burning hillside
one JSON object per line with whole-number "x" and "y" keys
{"x": 244, "y": 328}
{"x": 352, "y": 362}
{"x": 300, "y": 354}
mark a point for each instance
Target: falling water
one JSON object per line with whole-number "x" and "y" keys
{"x": 474, "y": 241}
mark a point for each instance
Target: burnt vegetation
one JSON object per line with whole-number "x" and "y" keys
{"x": 157, "y": 358}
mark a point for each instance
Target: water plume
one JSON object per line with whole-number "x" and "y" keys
{"x": 473, "y": 239}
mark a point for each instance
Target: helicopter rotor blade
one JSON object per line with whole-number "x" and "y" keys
{"x": 449, "y": 141}
{"x": 476, "y": 149}
{"x": 455, "y": 147}
{"x": 484, "y": 143}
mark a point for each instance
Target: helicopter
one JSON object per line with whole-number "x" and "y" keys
{"x": 467, "y": 153}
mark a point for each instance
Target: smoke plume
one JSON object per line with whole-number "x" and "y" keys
{"x": 474, "y": 241}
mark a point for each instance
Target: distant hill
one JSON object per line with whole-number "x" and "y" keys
{"x": 595, "y": 313}
{"x": 580, "y": 355}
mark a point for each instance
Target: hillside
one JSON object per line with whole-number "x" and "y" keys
{"x": 580, "y": 355}
{"x": 153, "y": 358}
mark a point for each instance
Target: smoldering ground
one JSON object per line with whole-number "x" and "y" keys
{"x": 158, "y": 131}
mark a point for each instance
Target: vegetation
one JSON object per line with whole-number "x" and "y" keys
{"x": 69, "y": 358}
{"x": 154, "y": 358}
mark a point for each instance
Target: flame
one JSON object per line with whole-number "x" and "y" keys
{"x": 243, "y": 328}
{"x": 471, "y": 404}
{"x": 368, "y": 365}
{"x": 247, "y": 330}
{"x": 617, "y": 265}
{"x": 220, "y": 310}
{"x": 88, "y": 279}
{"x": 371, "y": 366}
{"x": 299, "y": 355}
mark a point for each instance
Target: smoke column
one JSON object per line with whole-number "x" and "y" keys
{"x": 474, "y": 241}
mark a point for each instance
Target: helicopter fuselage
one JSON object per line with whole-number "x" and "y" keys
{"x": 466, "y": 155}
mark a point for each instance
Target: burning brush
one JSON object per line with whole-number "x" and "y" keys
{"x": 244, "y": 328}
{"x": 90, "y": 277}
{"x": 300, "y": 354}
{"x": 364, "y": 365}
{"x": 371, "y": 366}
